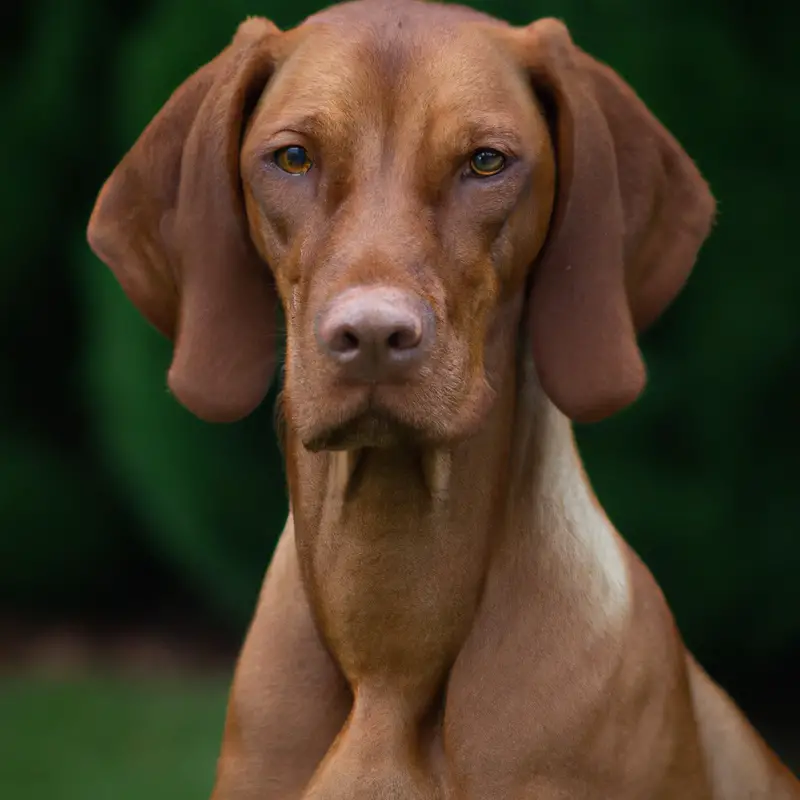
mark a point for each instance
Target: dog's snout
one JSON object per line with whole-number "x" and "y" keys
{"x": 375, "y": 334}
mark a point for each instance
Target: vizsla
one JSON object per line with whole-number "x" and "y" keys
{"x": 466, "y": 225}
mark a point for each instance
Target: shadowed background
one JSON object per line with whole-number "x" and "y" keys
{"x": 133, "y": 538}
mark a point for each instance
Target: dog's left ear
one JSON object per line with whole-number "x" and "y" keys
{"x": 631, "y": 213}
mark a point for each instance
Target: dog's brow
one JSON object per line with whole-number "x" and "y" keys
{"x": 311, "y": 124}
{"x": 484, "y": 133}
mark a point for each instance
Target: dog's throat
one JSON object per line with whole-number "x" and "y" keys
{"x": 392, "y": 579}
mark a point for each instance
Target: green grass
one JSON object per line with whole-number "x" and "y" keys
{"x": 109, "y": 739}
{"x": 117, "y": 740}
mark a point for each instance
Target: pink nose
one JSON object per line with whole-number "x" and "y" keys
{"x": 375, "y": 334}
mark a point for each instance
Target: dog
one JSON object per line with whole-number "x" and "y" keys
{"x": 466, "y": 225}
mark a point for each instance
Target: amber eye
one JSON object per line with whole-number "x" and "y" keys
{"x": 485, "y": 163}
{"x": 293, "y": 159}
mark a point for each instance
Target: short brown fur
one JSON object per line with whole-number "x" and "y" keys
{"x": 449, "y": 614}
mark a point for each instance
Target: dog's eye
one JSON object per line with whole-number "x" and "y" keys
{"x": 293, "y": 159}
{"x": 485, "y": 163}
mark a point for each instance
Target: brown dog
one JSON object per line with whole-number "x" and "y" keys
{"x": 466, "y": 225}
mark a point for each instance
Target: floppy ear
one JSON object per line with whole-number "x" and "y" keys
{"x": 631, "y": 214}
{"x": 170, "y": 224}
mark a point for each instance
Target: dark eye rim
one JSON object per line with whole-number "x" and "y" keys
{"x": 477, "y": 173}
{"x": 276, "y": 154}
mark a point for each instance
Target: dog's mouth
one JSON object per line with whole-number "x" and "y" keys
{"x": 371, "y": 427}
{"x": 376, "y": 417}
{"x": 383, "y": 416}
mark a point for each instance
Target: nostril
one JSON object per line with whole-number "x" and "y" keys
{"x": 349, "y": 341}
{"x": 345, "y": 341}
{"x": 405, "y": 337}
{"x": 395, "y": 341}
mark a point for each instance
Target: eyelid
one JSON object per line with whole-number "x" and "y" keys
{"x": 503, "y": 146}
{"x": 493, "y": 136}
{"x": 283, "y": 139}
{"x": 511, "y": 161}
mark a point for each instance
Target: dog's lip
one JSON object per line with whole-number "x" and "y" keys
{"x": 371, "y": 422}
{"x": 380, "y": 416}
{"x": 370, "y": 428}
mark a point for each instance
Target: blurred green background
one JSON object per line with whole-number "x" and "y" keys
{"x": 120, "y": 513}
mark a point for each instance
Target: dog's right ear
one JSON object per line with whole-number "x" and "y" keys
{"x": 170, "y": 224}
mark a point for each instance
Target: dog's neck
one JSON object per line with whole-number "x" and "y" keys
{"x": 397, "y": 547}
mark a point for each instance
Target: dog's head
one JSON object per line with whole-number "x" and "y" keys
{"x": 402, "y": 176}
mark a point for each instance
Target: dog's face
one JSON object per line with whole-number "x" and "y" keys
{"x": 399, "y": 191}
{"x": 387, "y": 171}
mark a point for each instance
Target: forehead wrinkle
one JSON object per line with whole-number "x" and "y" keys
{"x": 472, "y": 72}
{"x": 462, "y": 97}
{"x": 322, "y": 86}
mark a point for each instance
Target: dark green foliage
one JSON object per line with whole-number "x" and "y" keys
{"x": 700, "y": 475}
